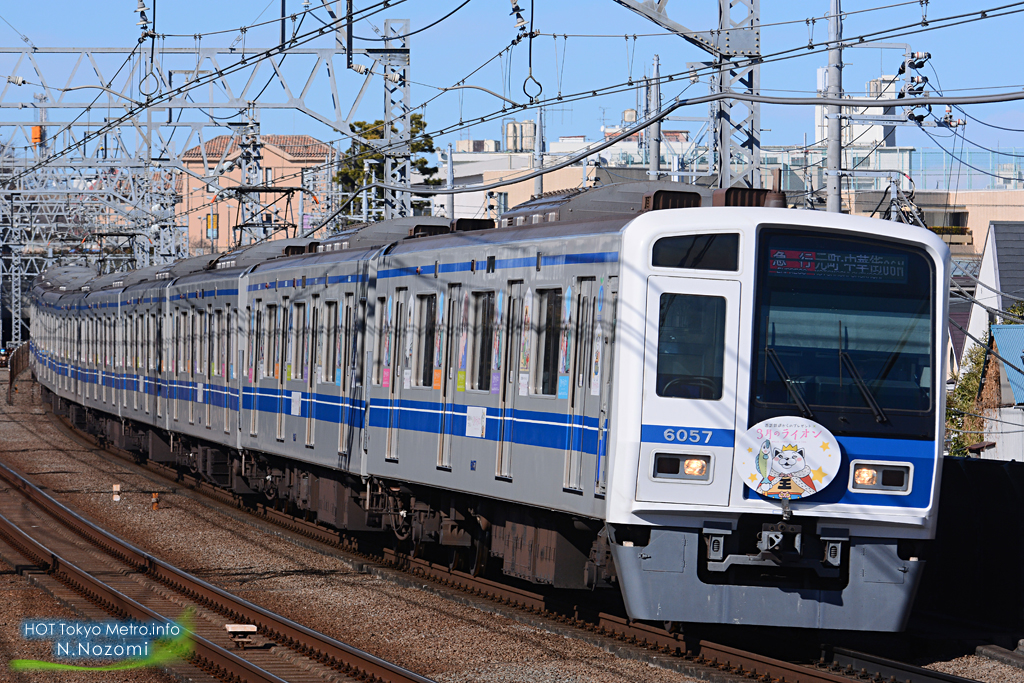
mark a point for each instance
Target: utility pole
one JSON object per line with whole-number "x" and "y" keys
{"x": 538, "y": 153}
{"x": 654, "y": 107}
{"x": 450, "y": 199}
{"x": 808, "y": 197}
{"x": 735, "y": 47}
{"x": 834, "y": 160}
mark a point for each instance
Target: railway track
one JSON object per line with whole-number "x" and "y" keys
{"x": 130, "y": 584}
{"x": 704, "y": 659}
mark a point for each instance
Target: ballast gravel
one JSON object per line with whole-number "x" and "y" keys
{"x": 979, "y": 669}
{"x": 430, "y": 635}
{"x": 20, "y": 600}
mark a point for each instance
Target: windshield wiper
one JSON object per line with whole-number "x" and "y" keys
{"x": 869, "y": 398}
{"x": 793, "y": 389}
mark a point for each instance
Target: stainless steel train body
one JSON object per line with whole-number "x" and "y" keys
{"x": 567, "y": 398}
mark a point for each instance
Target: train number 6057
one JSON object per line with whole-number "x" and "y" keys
{"x": 688, "y": 436}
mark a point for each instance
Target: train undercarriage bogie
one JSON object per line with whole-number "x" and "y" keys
{"x": 468, "y": 533}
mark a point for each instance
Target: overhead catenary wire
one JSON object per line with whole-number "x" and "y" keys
{"x": 786, "y": 54}
{"x": 419, "y": 30}
{"x": 197, "y": 82}
{"x": 760, "y": 25}
{"x": 975, "y": 16}
{"x": 779, "y": 56}
{"x": 988, "y": 349}
{"x": 986, "y": 286}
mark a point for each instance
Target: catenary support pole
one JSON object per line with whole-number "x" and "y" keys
{"x": 834, "y": 199}
{"x": 450, "y": 199}
{"x": 538, "y": 153}
{"x": 654, "y": 106}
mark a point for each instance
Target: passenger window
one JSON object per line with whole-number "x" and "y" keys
{"x": 704, "y": 252}
{"x": 691, "y": 346}
{"x": 378, "y": 352}
{"x": 549, "y": 318}
{"x": 300, "y": 357}
{"x": 426, "y": 333}
{"x": 482, "y": 332}
{"x": 255, "y": 342}
{"x": 273, "y": 324}
{"x": 217, "y": 336}
{"x": 330, "y": 360}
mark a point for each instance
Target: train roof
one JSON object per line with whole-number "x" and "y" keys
{"x": 619, "y": 200}
{"x": 560, "y": 214}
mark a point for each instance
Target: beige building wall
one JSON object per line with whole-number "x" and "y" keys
{"x": 562, "y": 179}
{"x": 981, "y": 207}
{"x": 284, "y": 157}
{"x": 984, "y": 206}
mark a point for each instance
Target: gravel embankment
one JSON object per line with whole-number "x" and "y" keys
{"x": 20, "y": 600}
{"x": 413, "y": 628}
{"x": 980, "y": 669}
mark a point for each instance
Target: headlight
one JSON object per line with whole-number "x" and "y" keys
{"x": 877, "y": 477}
{"x": 865, "y": 476}
{"x": 695, "y": 467}
{"x": 681, "y": 466}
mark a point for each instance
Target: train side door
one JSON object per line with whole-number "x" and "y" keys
{"x": 347, "y": 352}
{"x": 513, "y": 329}
{"x": 256, "y": 361}
{"x": 282, "y": 331}
{"x": 453, "y": 325}
{"x": 689, "y": 391}
{"x": 577, "y": 350}
{"x": 159, "y": 362}
{"x": 603, "y": 360}
{"x": 314, "y": 368}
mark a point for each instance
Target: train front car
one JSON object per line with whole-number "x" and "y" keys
{"x": 778, "y": 422}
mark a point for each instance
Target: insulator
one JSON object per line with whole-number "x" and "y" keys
{"x": 359, "y": 68}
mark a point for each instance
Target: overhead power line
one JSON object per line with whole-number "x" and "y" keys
{"x": 622, "y": 135}
{"x": 244, "y": 62}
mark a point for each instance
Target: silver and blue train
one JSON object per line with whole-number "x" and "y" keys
{"x": 731, "y": 414}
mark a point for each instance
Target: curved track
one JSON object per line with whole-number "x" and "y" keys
{"x": 131, "y": 584}
{"x": 703, "y": 658}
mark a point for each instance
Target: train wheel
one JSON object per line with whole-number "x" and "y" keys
{"x": 480, "y": 553}
{"x": 456, "y": 558}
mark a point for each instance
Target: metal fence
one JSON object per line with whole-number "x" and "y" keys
{"x": 16, "y": 365}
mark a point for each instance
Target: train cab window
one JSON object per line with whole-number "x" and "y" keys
{"x": 703, "y": 252}
{"x": 691, "y": 346}
{"x": 844, "y": 324}
{"x": 549, "y": 318}
{"x": 482, "y": 334}
{"x": 426, "y": 326}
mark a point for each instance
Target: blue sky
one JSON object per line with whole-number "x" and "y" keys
{"x": 977, "y": 55}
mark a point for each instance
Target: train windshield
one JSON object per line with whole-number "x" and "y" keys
{"x": 844, "y": 334}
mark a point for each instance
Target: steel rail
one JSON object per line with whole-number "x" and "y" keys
{"x": 16, "y": 364}
{"x": 204, "y": 654}
{"x": 842, "y": 666}
{"x": 348, "y": 659}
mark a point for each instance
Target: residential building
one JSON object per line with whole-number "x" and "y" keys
{"x": 287, "y": 161}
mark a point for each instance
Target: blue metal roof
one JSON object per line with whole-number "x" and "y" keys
{"x": 1010, "y": 345}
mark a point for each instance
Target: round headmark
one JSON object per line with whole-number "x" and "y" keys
{"x": 787, "y": 457}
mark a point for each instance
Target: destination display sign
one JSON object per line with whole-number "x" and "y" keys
{"x": 838, "y": 265}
